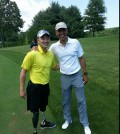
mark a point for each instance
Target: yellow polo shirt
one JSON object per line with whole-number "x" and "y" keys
{"x": 39, "y": 64}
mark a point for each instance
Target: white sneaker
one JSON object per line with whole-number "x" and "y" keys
{"x": 66, "y": 124}
{"x": 87, "y": 130}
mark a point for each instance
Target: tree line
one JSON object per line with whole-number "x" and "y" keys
{"x": 93, "y": 20}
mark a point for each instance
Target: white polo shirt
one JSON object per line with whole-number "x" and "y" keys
{"x": 68, "y": 55}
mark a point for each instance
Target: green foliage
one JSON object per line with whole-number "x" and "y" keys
{"x": 10, "y": 15}
{"x": 108, "y": 32}
{"x": 45, "y": 20}
{"x": 73, "y": 18}
{"x": 94, "y": 19}
{"x": 10, "y": 43}
{"x": 21, "y": 38}
{"x": 55, "y": 13}
{"x": 105, "y": 32}
{"x": 113, "y": 30}
{"x": 10, "y": 20}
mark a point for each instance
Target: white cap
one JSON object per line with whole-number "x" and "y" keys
{"x": 42, "y": 32}
{"x": 60, "y": 25}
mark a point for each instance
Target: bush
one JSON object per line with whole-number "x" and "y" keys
{"x": 108, "y": 31}
{"x": 10, "y": 43}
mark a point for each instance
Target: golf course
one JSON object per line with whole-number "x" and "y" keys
{"x": 102, "y": 91}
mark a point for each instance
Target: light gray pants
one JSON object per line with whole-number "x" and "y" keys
{"x": 75, "y": 81}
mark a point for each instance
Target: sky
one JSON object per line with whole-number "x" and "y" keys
{"x": 30, "y": 8}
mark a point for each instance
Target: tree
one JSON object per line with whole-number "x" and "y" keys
{"x": 55, "y": 13}
{"x": 10, "y": 19}
{"x": 45, "y": 19}
{"x": 72, "y": 17}
{"x": 94, "y": 18}
{"x": 22, "y": 38}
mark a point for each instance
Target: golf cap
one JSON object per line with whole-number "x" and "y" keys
{"x": 42, "y": 32}
{"x": 60, "y": 25}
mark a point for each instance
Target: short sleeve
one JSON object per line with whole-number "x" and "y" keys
{"x": 28, "y": 61}
{"x": 80, "y": 51}
{"x": 54, "y": 63}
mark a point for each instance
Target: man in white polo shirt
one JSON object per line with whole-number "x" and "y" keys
{"x": 69, "y": 53}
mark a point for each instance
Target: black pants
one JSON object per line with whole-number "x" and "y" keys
{"x": 37, "y": 96}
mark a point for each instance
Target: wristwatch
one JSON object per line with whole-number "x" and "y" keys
{"x": 85, "y": 73}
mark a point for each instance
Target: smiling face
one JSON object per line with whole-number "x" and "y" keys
{"x": 44, "y": 41}
{"x": 62, "y": 34}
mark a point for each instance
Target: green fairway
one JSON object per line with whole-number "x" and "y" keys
{"x": 102, "y": 91}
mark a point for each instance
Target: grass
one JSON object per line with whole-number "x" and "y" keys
{"x": 102, "y": 91}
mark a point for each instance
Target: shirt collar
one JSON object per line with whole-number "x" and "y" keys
{"x": 68, "y": 42}
{"x": 41, "y": 50}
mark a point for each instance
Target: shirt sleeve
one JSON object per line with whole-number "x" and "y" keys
{"x": 28, "y": 61}
{"x": 54, "y": 63}
{"x": 79, "y": 49}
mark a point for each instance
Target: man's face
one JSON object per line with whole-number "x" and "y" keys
{"x": 44, "y": 41}
{"x": 62, "y": 33}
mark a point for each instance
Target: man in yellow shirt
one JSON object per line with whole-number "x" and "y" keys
{"x": 38, "y": 64}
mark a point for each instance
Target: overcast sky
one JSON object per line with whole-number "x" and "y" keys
{"x": 29, "y": 8}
